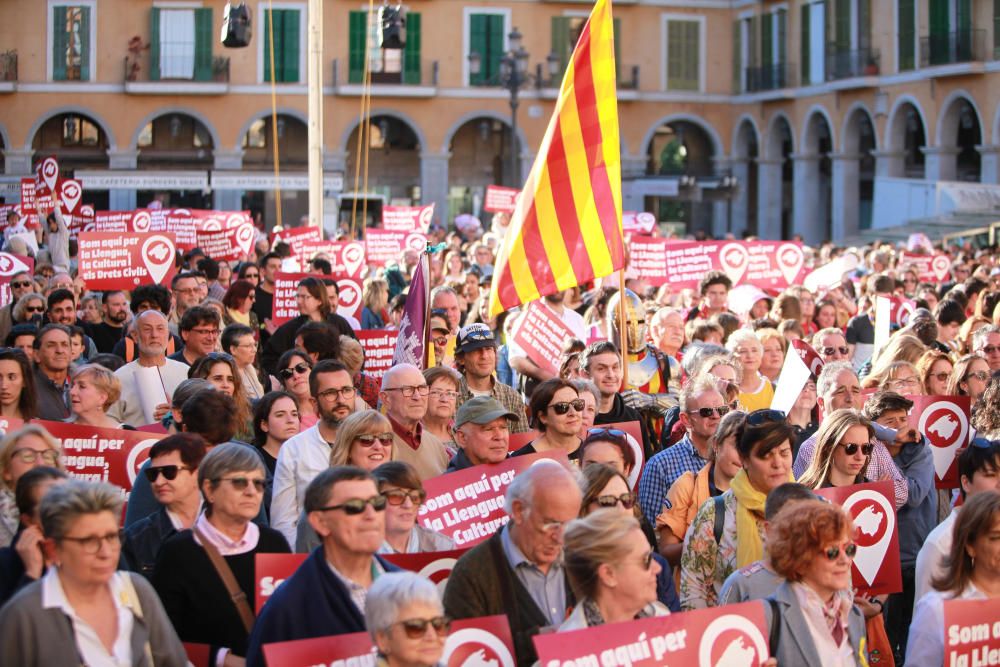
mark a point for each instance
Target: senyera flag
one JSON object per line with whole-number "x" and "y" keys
{"x": 567, "y": 225}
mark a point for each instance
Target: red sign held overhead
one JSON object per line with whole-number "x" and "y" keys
{"x": 944, "y": 420}
{"x": 122, "y": 261}
{"x": 383, "y": 246}
{"x": 930, "y": 268}
{"x": 229, "y": 244}
{"x": 541, "y": 334}
{"x": 500, "y": 200}
{"x": 634, "y": 222}
{"x": 766, "y": 264}
{"x": 284, "y": 306}
{"x": 378, "y": 344}
{"x": 347, "y": 258}
{"x": 408, "y": 218}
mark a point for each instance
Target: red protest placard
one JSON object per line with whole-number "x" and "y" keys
{"x": 47, "y": 175}
{"x": 70, "y": 193}
{"x": 971, "y": 632}
{"x": 347, "y": 258}
{"x": 10, "y": 266}
{"x": 930, "y": 268}
{"x": 227, "y": 245}
{"x": 541, "y": 334}
{"x": 284, "y": 307}
{"x": 641, "y": 222}
{"x": 408, "y": 218}
{"x": 499, "y": 199}
{"x": 350, "y": 298}
{"x": 139, "y": 220}
{"x": 352, "y": 649}
{"x": 102, "y": 454}
{"x": 295, "y": 237}
{"x": 198, "y": 655}
{"x": 730, "y": 635}
{"x": 383, "y": 246}
{"x": 378, "y": 344}
{"x": 876, "y": 568}
{"x": 468, "y": 505}
{"x": 944, "y": 420}
{"x": 28, "y": 197}
{"x": 181, "y": 223}
{"x": 435, "y": 565}
{"x": 121, "y": 261}
{"x": 766, "y": 264}
{"x": 270, "y": 570}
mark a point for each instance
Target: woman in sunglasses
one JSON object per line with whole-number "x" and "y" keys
{"x": 187, "y": 578}
{"x": 843, "y": 450}
{"x": 555, "y": 411}
{"x": 24, "y": 449}
{"x": 17, "y": 385}
{"x": 934, "y": 369}
{"x": 406, "y": 621}
{"x": 29, "y": 308}
{"x": 364, "y": 439}
{"x": 221, "y": 370}
{"x": 314, "y": 306}
{"x": 710, "y": 555}
{"x": 294, "y": 367}
{"x": 810, "y": 545}
{"x": 969, "y": 377}
{"x": 608, "y": 447}
{"x": 612, "y": 570}
{"x": 403, "y": 490}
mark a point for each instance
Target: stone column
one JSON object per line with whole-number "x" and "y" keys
{"x": 806, "y": 199}
{"x": 989, "y": 171}
{"x": 434, "y": 184}
{"x": 889, "y": 164}
{"x": 769, "y": 198}
{"x": 122, "y": 200}
{"x": 740, "y": 213}
{"x": 227, "y": 200}
{"x": 633, "y": 167}
{"x": 721, "y": 223}
{"x": 845, "y": 197}
{"x": 940, "y": 163}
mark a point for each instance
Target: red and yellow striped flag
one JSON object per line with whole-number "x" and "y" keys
{"x": 567, "y": 226}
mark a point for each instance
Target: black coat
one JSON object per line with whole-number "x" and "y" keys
{"x": 283, "y": 339}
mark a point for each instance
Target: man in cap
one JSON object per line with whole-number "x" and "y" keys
{"x": 482, "y": 431}
{"x": 439, "y": 335}
{"x": 476, "y": 360}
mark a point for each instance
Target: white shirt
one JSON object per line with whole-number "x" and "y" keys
{"x": 926, "y": 643}
{"x": 931, "y": 558}
{"x": 128, "y": 408}
{"x": 88, "y": 644}
{"x": 300, "y": 459}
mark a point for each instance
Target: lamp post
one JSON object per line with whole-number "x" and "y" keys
{"x": 512, "y": 76}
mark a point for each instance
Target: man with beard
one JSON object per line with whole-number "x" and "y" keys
{"x": 152, "y": 333}
{"x": 111, "y": 328}
{"x": 61, "y": 309}
{"x": 307, "y": 454}
{"x": 531, "y": 374}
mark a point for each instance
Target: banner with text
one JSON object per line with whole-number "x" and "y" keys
{"x": 971, "y": 632}
{"x": 378, "y": 344}
{"x": 347, "y": 258}
{"x": 766, "y": 264}
{"x": 110, "y": 261}
{"x": 638, "y": 222}
{"x": 500, "y": 199}
{"x": 270, "y": 571}
{"x": 295, "y": 237}
{"x": 227, "y": 245}
{"x": 541, "y": 334}
{"x": 385, "y": 246}
{"x": 730, "y": 635}
{"x": 944, "y": 420}
{"x": 468, "y": 505}
{"x": 876, "y": 568}
{"x": 284, "y": 306}
{"x": 929, "y": 268}
{"x": 408, "y": 218}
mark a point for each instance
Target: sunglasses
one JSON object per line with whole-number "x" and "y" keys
{"x": 721, "y": 410}
{"x": 169, "y": 472}
{"x": 34, "y": 309}
{"x": 991, "y": 349}
{"x": 241, "y": 483}
{"x": 564, "y": 406}
{"x": 248, "y": 276}
{"x": 852, "y": 448}
{"x": 368, "y": 440}
{"x": 982, "y": 376}
{"x": 415, "y": 628}
{"x": 626, "y": 499}
{"x": 647, "y": 560}
{"x": 828, "y": 351}
{"x": 761, "y": 417}
{"x": 612, "y": 433}
{"x": 356, "y": 506}
{"x": 850, "y": 549}
{"x": 297, "y": 369}
{"x": 941, "y": 377}
{"x": 18, "y": 285}
{"x": 397, "y": 497}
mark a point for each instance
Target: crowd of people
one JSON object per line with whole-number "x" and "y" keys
{"x": 279, "y": 440}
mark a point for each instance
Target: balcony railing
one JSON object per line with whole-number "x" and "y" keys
{"x": 138, "y": 69}
{"x": 961, "y": 46}
{"x": 849, "y": 64}
{"x": 769, "y": 77}
{"x": 8, "y": 66}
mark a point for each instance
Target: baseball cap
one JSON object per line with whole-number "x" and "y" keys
{"x": 481, "y": 410}
{"x": 474, "y": 337}
{"x": 439, "y": 323}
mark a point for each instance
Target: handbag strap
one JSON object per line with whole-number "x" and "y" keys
{"x": 236, "y": 593}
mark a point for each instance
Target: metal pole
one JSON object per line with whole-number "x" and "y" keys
{"x": 514, "y": 171}
{"x": 314, "y": 67}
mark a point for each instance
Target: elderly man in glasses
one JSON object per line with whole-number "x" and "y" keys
{"x": 701, "y": 409}
{"x": 831, "y": 345}
{"x": 482, "y": 431}
{"x": 519, "y": 572}
{"x": 326, "y": 595}
{"x": 404, "y": 396}
{"x": 306, "y": 455}
{"x": 986, "y": 342}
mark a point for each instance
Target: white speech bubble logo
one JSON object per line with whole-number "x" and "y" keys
{"x": 416, "y": 242}
{"x": 790, "y": 261}
{"x": 487, "y": 640}
{"x": 211, "y": 225}
{"x": 438, "y": 571}
{"x": 350, "y": 296}
{"x": 87, "y": 211}
{"x": 736, "y": 653}
{"x": 158, "y": 256}
{"x": 244, "y": 237}
{"x": 50, "y": 172}
{"x": 70, "y": 194}
{"x": 10, "y": 265}
{"x": 235, "y": 220}
{"x": 134, "y": 462}
{"x": 947, "y": 429}
{"x": 940, "y": 266}
{"x": 874, "y": 521}
{"x": 425, "y": 217}
{"x": 142, "y": 221}
{"x": 733, "y": 258}
{"x": 352, "y": 256}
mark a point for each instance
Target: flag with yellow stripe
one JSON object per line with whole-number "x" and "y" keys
{"x": 566, "y": 228}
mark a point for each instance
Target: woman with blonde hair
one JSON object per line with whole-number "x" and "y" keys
{"x": 774, "y": 345}
{"x": 364, "y": 439}
{"x": 968, "y": 330}
{"x": 901, "y": 377}
{"x": 934, "y": 369}
{"x": 93, "y": 390}
{"x": 375, "y": 296}
{"x": 611, "y": 570}
{"x": 843, "y": 450}
{"x": 29, "y": 447}
{"x": 901, "y": 347}
{"x": 969, "y": 377}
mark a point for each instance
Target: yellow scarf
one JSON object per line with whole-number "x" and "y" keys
{"x": 749, "y": 511}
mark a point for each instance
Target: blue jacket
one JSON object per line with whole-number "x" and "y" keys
{"x": 918, "y": 516}
{"x": 310, "y": 603}
{"x": 143, "y": 540}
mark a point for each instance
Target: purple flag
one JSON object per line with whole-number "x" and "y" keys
{"x": 410, "y": 345}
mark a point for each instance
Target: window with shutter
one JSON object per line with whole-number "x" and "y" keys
{"x": 907, "y": 34}
{"x": 203, "y": 44}
{"x": 411, "y": 54}
{"x": 287, "y": 45}
{"x": 767, "y": 42}
{"x": 487, "y": 39}
{"x": 71, "y": 43}
{"x": 804, "y": 46}
{"x": 996, "y": 29}
{"x": 357, "y": 33}
{"x": 560, "y": 43}
{"x": 940, "y": 26}
{"x": 781, "y": 37}
{"x": 738, "y": 57}
{"x": 683, "y": 53}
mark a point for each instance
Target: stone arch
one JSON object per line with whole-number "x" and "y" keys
{"x": 846, "y": 137}
{"x": 948, "y": 118}
{"x": 182, "y": 111}
{"x": 266, "y": 113}
{"x": 74, "y": 109}
{"x": 345, "y": 136}
{"x": 743, "y": 123}
{"x": 522, "y": 139}
{"x": 895, "y": 127}
{"x": 701, "y": 123}
{"x": 808, "y": 125}
{"x": 773, "y": 148}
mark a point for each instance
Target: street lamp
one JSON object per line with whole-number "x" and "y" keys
{"x": 512, "y": 76}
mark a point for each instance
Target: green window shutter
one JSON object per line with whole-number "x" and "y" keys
{"x": 996, "y": 27}
{"x": 754, "y": 33}
{"x": 478, "y": 44}
{"x": 693, "y": 55}
{"x": 682, "y": 55}
{"x": 357, "y": 33}
{"x": 203, "y": 44}
{"x": 495, "y": 44}
{"x": 907, "y": 35}
{"x": 674, "y": 49}
{"x": 964, "y": 18}
{"x": 781, "y": 39}
{"x": 864, "y": 24}
{"x": 411, "y": 53}
{"x": 842, "y": 25}
{"x": 804, "y": 47}
{"x": 618, "y": 50}
{"x": 738, "y": 57}
{"x": 291, "y": 45}
{"x": 267, "y": 45}
{"x": 84, "y": 43}
{"x": 60, "y": 42}
{"x": 767, "y": 40}
{"x": 940, "y": 26}
{"x": 154, "y": 44}
{"x": 560, "y": 42}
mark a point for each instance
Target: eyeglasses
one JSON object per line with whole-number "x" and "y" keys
{"x": 647, "y": 560}
{"x": 251, "y": 276}
{"x": 852, "y": 448}
{"x": 397, "y": 497}
{"x": 415, "y": 628}
{"x": 907, "y": 381}
{"x": 444, "y": 394}
{"x": 626, "y": 499}
{"x": 187, "y": 290}
{"x": 982, "y": 376}
{"x": 20, "y": 284}
{"x": 983, "y": 443}
{"x": 761, "y": 417}
{"x": 344, "y": 392}
{"x": 849, "y": 549}
{"x": 563, "y": 407}
{"x": 941, "y": 377}
{"x": 356, "y": 506}
{"x": 241, "y": 483}
{"x": 990, "y": 349}
{"x": 206, "y": 332}
{"x": 297, "y": 369}
{"x": 34, "y": 309}
{"x": 92, "y": 544}
{"x": 830, "y": 351}
{"x": 407, "y": 392}
{"x": 169, "y": 472}
{"x": 440, "y": 340}
{"x": 49, "y": 456}
{"x": 705, "y": 413}
{"x": 368, "y": 440}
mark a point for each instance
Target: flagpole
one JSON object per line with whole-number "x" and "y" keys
{"x": 426, "y": 257}
{"x": 623, "y": 326}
